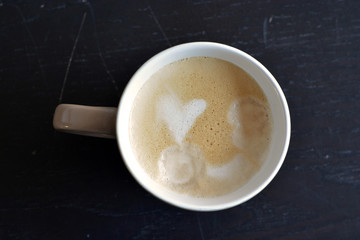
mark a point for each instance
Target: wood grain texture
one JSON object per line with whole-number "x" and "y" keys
{"x": 58, "y": 186}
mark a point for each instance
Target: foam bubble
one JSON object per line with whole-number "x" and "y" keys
{"x": 178, "y": 117}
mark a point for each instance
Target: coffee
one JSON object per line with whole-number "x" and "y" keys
{"x": 200, "y": 126}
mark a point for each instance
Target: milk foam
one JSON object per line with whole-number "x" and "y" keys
{"x": 250, "y": 119}
{"x": 181, "y": 165}
{"x": 179, "y": 118}
{"x": 240, "y": 163}
{"x": 234, "y": 119}
{"x": 231, "y": 169}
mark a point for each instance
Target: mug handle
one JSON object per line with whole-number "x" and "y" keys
{"x": 86, "y": 120}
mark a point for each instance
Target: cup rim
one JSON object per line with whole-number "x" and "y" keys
{"x": 175, "y": 202}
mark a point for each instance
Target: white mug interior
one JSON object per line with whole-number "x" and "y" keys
{"x": 280, "y": 134}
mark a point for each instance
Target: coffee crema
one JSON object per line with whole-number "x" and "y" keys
{"x": 200, "y": 126}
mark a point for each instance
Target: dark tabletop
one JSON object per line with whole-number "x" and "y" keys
{"x": 58, "y": 186}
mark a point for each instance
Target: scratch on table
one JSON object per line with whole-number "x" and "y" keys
{"x": 345, "y": 152}
{"x": 107, "y": 213}
{"x": 92, "y": 14}
{"x": 71, "y": 57}
{"x": 355, "y": 130}
{"x": 316, "y": 195}
{"x": 343, "y": 174}
{"x": 200, "y": 227}
{"x": 61, "y": 6}
{"x": 265, "y": 30}
{"x": 24, "y": 22}
{"x": 159, "y": 25}
{"x": 201, "y": 2}
{"x": 337, "y": 30}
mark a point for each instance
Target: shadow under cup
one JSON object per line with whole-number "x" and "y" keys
{"x": 280, "y": 133}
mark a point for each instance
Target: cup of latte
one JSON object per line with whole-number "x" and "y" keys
{"x": 202, "y": 126}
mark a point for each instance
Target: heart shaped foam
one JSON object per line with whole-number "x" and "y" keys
{"x": 178, "y": 117}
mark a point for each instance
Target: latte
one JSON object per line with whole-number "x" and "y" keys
{"x": 200, "y": 126}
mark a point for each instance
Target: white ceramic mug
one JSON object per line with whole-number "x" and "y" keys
{"x": 100, "y": 121}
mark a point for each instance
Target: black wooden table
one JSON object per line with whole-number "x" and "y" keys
{"x": 58, "y": 186}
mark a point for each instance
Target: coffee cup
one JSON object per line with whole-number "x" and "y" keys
{"x": 174, "y": 118}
